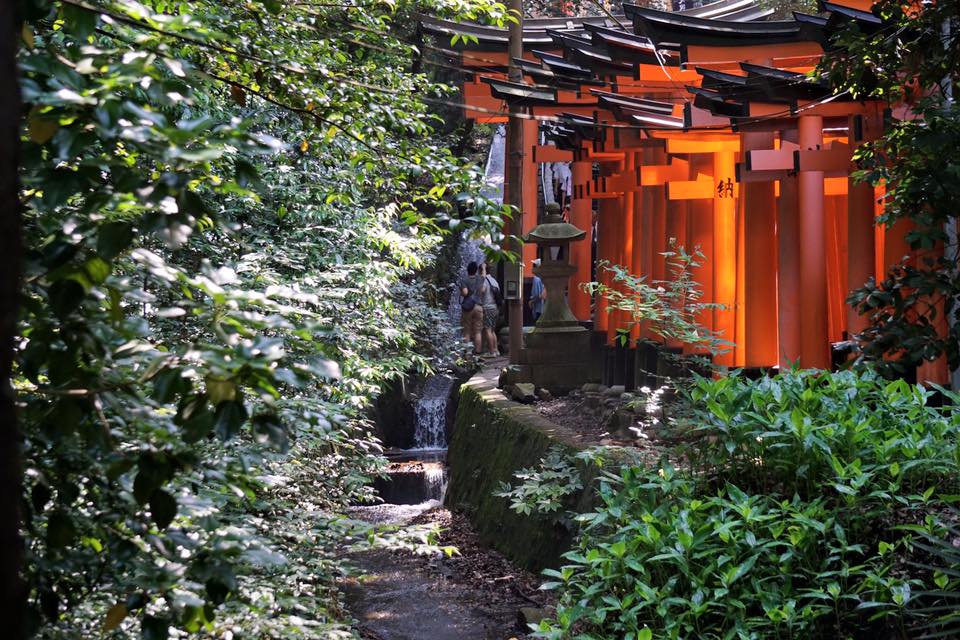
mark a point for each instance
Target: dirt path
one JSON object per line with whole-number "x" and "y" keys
{"x": 474, "y": 596}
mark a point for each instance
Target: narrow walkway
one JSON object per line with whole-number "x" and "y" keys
{"x": 475, "y": 596}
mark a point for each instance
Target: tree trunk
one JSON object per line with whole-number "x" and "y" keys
{"x": 12, "y": 590}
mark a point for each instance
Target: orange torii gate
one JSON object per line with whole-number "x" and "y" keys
{"x": 709, "y": 132}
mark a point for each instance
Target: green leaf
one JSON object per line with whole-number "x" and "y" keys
{"x": 61, "y": 530}
{"x": 113, "y": 238}
{"x": 153, "y": 628}
{"x": 168, "y": 384}
{"x": 65, "y": 296}
{"x": 229, "y": 418}
{"x": 163, "y": 508}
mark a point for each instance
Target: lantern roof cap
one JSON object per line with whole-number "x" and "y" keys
{"x": 554, "y": 230}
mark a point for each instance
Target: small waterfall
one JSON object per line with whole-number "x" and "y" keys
{"x": 436, "y": 479}
{"x": 417, "y": 478}
{"x": 430, "y": 412}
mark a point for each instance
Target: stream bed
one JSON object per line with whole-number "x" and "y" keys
{"x": 476, "y": 594}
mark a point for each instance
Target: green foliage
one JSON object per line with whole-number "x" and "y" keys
{"x": 938, "y": 610}
{"x": 670, "y": 308}
{"x": 843, "y": 435}
{"x": 784, "y": 526}
{"x": 226, "y": 205}
{"x": 907, "y": 308}
{"x": 543, "y": 490}
{"x": 912, "y": 60}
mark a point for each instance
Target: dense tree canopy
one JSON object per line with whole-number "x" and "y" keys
{"x": 224, "y": 203}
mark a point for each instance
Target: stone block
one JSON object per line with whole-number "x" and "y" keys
{"x": 523, "y": 392}
{"x": 618, "y": 423}
{"x": 615, "y": 391}
{"x": 592, "y": 400}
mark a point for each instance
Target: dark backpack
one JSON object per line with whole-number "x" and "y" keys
{"x": 497, "y": 294}
{"x": 468, "y": 302}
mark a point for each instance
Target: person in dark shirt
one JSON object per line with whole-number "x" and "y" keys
{"x": 473, "y": 285}
{"x": 491, "y": 311}
{"x": 538, "y": 293}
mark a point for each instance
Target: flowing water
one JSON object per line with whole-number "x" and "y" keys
{"x": 418, "y": 476}
{"x": 430, "y": 412}
{"x": 400, "y": 600}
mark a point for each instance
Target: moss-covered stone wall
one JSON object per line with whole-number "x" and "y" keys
{"x": 493, "y": 438}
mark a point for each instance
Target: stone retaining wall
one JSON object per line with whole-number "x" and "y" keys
{"x": 493, "y": 438}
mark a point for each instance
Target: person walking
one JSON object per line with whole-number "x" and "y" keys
{"x": 538, "y": 293}
{"x": 472, "y": 288}
{"x": 490, "y": 299}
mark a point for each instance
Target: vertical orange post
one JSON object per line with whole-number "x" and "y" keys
{"x": 701, "y": 237}
{"x": 814, "y": 341}
{"x": 760, "y": 263}
{"x": 531, "y": 136}
{"x": 643, "y": 265}
{"x": 740, "y": 351}
{"x": 836, "y": 246}
{"x": 860, "y": 237}
{"x": 627, "y": 229}
{"x": 678, "y": 212}
{"x": 724, "y": 251}
{"x": 678, "y": 215}
{"x": 640, "y": 234}
{"x": 658, "y": 228}
{"x": 606, "y": 234}
{"x": 788, "y": 268}
{"x": 581, "y": 216}
{"x": 623, "y": 246}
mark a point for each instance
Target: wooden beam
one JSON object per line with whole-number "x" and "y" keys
{"x": 550, "y": 153}
{"x": 702, "y": 188}
{"x": 781, "y": 159}
{"x": 835, "y": 157}
{"x": 708, "y": 145}
{"x": 701, "y": 54}
{"x": 656, "y": 175}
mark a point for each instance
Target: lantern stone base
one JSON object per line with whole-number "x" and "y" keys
{"x": 556, "y": 358}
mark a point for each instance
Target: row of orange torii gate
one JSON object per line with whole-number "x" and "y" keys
{"x": 703, "y": 126}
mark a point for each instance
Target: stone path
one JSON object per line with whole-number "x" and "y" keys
{"x": 401, "y": 596}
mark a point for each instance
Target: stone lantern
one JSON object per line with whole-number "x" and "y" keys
{"x": 556, "y": 351}
{"x": 555, "y": 236}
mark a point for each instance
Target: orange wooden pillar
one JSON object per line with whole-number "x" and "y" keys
{"x": 677, "y": 227}
{"x": 861, "y": 223}
{"x": 531, "y": 137}
{"x": 626, "y": 230}
{"x": 641, "y": 239}
{"x": 644, "y": 259}
{"x": 658, "y": 225}
{"x": 581, "y": 216}
{"x": 725, "y": 250}
{"x": 788, "y": 267}
{"x": 760, "y": 262}
{"x": 607, "y": 209}
{"x": 701, "y": 237}
{"x": 814, "y": 341}
{"x": 835, "y": 217}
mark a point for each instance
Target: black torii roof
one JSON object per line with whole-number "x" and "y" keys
{"x": 535, "y": 30}
{"x": 672, "y": 30}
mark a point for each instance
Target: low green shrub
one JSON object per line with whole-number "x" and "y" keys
{"x": 808, "y": 432}
{"x": 795, "y": 519}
